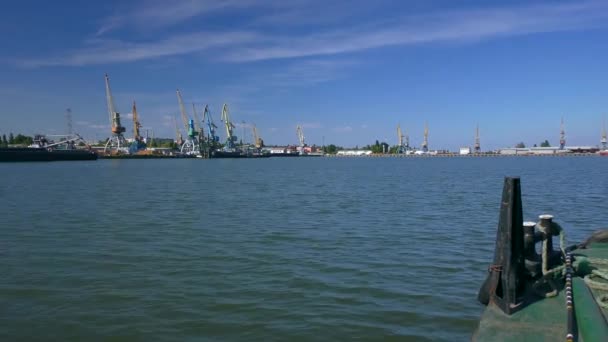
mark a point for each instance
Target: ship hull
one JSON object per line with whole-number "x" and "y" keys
{"x": 42, "y": 154}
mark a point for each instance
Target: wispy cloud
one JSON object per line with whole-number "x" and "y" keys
{"x": 251, "y": 42}
{"x": 455, "y": 26}
{"x": 343, "y": 129}
{"x": 156, "y": 14}
{"x": 107, "y": 51}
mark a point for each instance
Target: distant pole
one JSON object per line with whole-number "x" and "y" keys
{"x": 562, "y": 136}
{"x": 68, "y": 118}
{"x": 243, "y": 136}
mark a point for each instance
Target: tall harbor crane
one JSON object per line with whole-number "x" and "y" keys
{"x": 191, "y": 144}
{"x": 258, "y": 142}
{"x": 425, "y": 143}
{"x": 300, "y": 134}
{"x": 212, "y": 138}
{"x": 136, "y": 124}
{"x": 604, "y": 140}
{"x": 562, "y": 136}
{"x": 230, "y": 138}
{"x": 401, "y": 146}
{"x": 138, "y": 141}
{"x": 198, "y": 124}
{"x": 477, "y": 147}
{"x": 116, "y": 143}
{"x": 178, "y": 135}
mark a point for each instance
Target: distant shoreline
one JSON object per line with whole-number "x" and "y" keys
{"x": 457, "y": 155}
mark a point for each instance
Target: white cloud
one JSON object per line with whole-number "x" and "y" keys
{"x": 343, "y": 129}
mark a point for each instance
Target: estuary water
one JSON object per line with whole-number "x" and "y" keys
{"x": 279, "y": 249}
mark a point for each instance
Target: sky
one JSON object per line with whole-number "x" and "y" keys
{"x": 348, "y": 72}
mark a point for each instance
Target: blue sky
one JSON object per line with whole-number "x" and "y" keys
{"x": 347, "y": 71}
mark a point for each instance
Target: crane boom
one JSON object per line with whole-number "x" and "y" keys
{"x": 182, "y": 110}
{"x": 136, "y": 124}
{"x": 256, "y": 138}
{"x": 207, "y": 116}
{"x": 117, "y": 128}
{"x": 110, "y": 100}
{"x": 197, "y": 121}
{"x": 300, "y": 134}
{"x": 229, "y": 125}
{"x": 178, "y": 134}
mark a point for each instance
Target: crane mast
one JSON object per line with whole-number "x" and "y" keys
{"x": 178, "y": 134}
{"x": 116, "y": 142}
{"x": 562, "y": 136}
{"x": 477, "y": 143}
{"x": 188, "y": 123}
{"x": 604, "y": 140}
{"x": 197, "y": 121}
{"x": 210, "y": 124}
{"x": 401, "y": 148}
{"x": 136, "y": 124}
{"x": 300, "y": 134}
{"x": 425, "y": 143}
{"x": 230, "y": 138}
{"x": 256, "y": 138}
{"x": 117, "y": 128}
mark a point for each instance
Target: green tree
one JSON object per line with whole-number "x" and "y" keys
{"x": 4, "y": 141}
{"x": 520, "y": 145}
{"x": 545, "y": 144}
{"x": 330, "y": 149}
{"x": 21, "y": 139}
{"x": 11, "y": 138}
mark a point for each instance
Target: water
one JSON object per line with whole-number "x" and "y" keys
{"x": 277, "y": 249}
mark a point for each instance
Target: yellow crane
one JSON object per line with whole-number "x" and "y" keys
{"x": 230, "y": 138}
{"x": 259, "y": 143}
{"x": 197, "y": 121}
{"x": 425, "y": 143}
{"x": 178, "y": 135}
{"x": 136, "y": 124}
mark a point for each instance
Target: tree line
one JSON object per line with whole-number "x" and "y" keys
{"x": 18, "y": 139}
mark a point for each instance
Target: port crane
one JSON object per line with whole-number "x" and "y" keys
{"x": 212, "y": 138}
{"x": 604, "y": 140}
{"x": 178, "y": 135}
{"x": 198, "y": 124}
{"x": 401, "y": 147}
{"x": 562, "y": 136}
{"x": 138, "y": 140}
{"x": 300, "y": 134}
{"x": 191, "y": 144}
{"x": 230, "y": 138}
{"x": 477, "y": 143}
{"x": 116, "y": 142}
{"x": 425, "y": 143}
{"x": 258, "y": 142}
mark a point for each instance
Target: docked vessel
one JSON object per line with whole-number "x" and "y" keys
{"x": 46, "y": 150}
{"x": 28, "y": 154}
{"x": 557, "y": 294}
